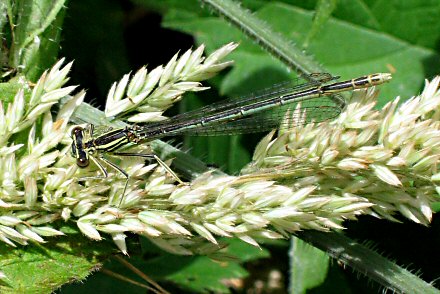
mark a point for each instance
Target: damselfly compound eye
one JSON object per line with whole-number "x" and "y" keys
{"x": 76, "y": 131}
{"x": 82, "y": 162}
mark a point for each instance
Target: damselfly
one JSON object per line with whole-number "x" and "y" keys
{"x": 318, "y": 99}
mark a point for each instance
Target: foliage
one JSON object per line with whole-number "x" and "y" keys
{"x": 347, "y": 37}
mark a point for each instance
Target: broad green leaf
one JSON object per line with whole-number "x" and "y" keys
{"x": 44, "y": 268}
{"x": 308, "y": 266}
{"x": 436, "y": 207}
{"x": 245, "y": 252}
{"x": 195, "y": 273}
{"x": 345, "y": 48}
{"x": 357, "y": 50}
{"x": 9, "y": 90}
{"x": 412, "y": 21}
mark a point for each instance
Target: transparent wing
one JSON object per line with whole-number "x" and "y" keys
{"x": 315, "y": 110}
{"x": 265, "y": 94}
{"x": 312, "y": 110}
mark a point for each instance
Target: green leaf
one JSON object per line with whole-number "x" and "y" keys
{"x": 360, "y": 50}
{"x": 8, "y": 91}
{"x": 345, "y": 47}
{"x": 196, "y": 273}
{"x": 308, "y": 266}
{"x": 43, "y": 268}
{"x": 244, "y": 251}
{"x": 36, "y": 35}
{"x": 413, "y": 21}
{"x": 436, "y": 207}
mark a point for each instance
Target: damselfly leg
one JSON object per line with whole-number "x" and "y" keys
{"x": 86, "y": 147}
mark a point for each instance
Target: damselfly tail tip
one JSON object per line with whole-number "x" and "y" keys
{"x": 385, "y": 77}
{"x": 376, "y": 79}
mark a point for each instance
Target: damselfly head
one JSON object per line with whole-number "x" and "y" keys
{"x": 77, "y": 131}
{"x": 77, "y": 151}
